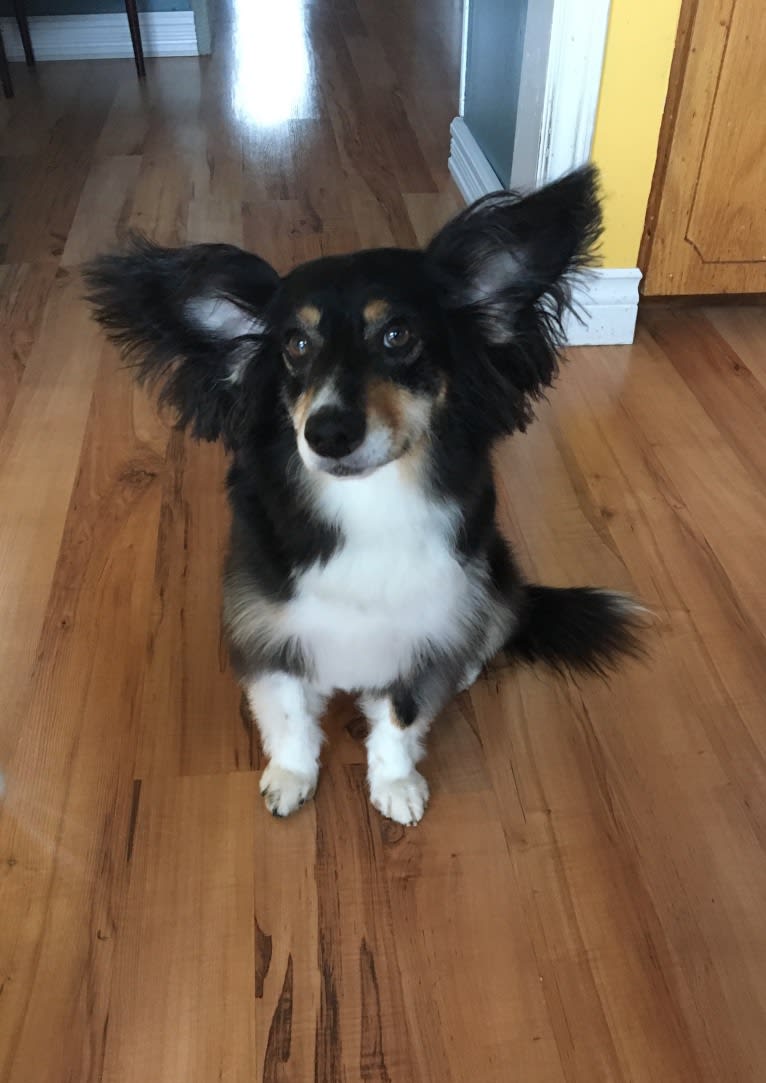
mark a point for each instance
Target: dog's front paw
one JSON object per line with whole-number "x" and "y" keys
{"x": 400, "y": 799}
{"x": 469, "y": 678}
{"x": 285, "y": 791}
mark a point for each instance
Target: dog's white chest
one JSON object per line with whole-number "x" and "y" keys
{"x": 394, "y": 586}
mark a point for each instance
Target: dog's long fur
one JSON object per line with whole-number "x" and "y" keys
{"x": 360, "y": 397}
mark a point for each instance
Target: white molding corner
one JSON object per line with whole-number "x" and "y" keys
{"x": 103, "y": 37}
{"x": 606, "y": 301}
{"x": 468, "y": 164}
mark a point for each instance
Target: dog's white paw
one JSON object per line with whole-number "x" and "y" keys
{"x": 401, "y": 799}
{"x": 285, "y": 791}
{"x": 469, "y": 678}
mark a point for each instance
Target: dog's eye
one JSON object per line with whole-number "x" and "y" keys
{"x": 298, "y": 346}
{"x": 397, "y": 336}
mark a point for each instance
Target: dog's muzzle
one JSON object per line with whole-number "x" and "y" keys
{"x": 337, "y": 441}
{"x": 334, "y": 432}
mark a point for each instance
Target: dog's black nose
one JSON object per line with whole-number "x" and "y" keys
{"x": 334, "y": 432}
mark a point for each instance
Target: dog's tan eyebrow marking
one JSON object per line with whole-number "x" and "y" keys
{"x": 309, "y": 315}
{"x": 376, "y": 311}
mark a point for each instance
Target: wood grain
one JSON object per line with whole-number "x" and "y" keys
{"x": 67, "y": 808}
{"x": 188, "y": 948}
{"x": 40, "y": 451}
{"x": 583, "y": 902}
{"x": 705, "y": 230}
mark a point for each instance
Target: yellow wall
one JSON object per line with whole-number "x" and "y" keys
{"x": 639, "y": 48}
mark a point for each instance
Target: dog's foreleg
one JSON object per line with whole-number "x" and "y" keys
{"x": 287, "y": 712}
{"x": 394, "y": 746}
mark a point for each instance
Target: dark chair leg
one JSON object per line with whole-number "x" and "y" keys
{"x": 5, "y": 71}
{"x": 135, "y": 37}
{"x": 26, "y": 40}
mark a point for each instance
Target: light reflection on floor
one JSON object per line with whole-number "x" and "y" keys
{"x": 271, "y": 61}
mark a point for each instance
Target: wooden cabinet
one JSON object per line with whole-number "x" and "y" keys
{"x": 706, "y": 223}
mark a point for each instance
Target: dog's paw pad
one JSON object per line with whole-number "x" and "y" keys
{"x": 401, "y": 799}
{"x": 285, "y": 791}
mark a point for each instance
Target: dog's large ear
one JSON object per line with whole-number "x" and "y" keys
{"x": 504, "y": 267}
{"x": 190, "y": 318}
{"x": 506, "y": 252}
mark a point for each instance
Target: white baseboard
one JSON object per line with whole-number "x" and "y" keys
{"x": 468, "y": 164}
{"x": 606, "y": 298}
{"x": 103, "y": 37}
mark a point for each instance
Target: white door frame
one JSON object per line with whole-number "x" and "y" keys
{"x": 564, "y": 43}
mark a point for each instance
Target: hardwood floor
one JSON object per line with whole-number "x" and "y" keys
{"x": 585, "y": 898}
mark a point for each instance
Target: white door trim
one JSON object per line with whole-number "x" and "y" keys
{"x": 562, "y": 66}
{"x": 564, "y": 42}
{"x": 464, "y": 55}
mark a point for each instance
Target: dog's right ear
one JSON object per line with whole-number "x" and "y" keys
{"x": 192, "y": 320}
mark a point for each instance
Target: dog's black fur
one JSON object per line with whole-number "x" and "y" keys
{"x": 482, "y": 307}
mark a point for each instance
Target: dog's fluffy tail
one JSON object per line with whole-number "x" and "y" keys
{"x": 577, "y": 628}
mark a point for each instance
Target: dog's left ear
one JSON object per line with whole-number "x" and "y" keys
{"x": 506, "y": 253}
{"x": 191, "y": 319}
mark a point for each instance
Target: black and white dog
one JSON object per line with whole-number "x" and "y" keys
{"x": 360, "y": 397}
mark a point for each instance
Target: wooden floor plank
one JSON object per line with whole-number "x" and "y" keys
{"x": 732, "y": 396}
{"x": 189, "y": 714}
{"x": 188, "y": 946}
{"x": 453, "y": 884}
{"x": 65, "y": 822}
{"x": 101, "y": 209}
{"x": 743, "y": 329}
{"x": 286, "y": 976}
{"x": 39, "y": 456}
{"x": 24, "y": 290}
